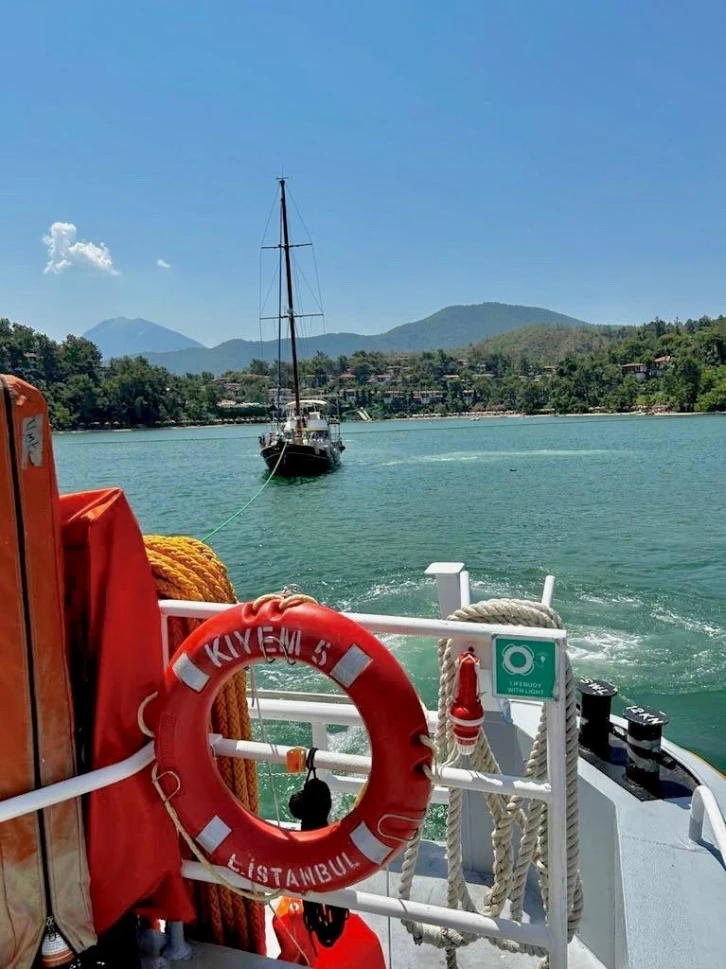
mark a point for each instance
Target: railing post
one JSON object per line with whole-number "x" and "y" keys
{"x": 448, "y": 585}
{"x": 320, "y": 740}
{"x": 704, "y": 804}
{"x": 177, "y": 949}
{"x": 548, "y": 591}
{"x": 695, "y": 827}
{"x": 557, "y": 818}
{"x": 464, "y": 589}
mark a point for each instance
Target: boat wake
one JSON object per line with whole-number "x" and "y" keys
{"x": 457, "y": 457}
{"x": 689, "y": 623}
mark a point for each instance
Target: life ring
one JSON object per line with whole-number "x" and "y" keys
{"x": 397, "y": 791}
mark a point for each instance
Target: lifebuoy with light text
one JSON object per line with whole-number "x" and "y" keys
{"x": 396, "y": 795}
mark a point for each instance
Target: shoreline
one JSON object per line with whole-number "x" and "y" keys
{"x": 474, "y": 417}
{"x": 518, "y": 414}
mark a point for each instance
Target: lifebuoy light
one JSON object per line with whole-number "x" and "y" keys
{"x": 467, "y": 713}
{"x": 397, "y": 791}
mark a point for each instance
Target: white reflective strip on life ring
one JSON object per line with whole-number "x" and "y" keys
{"x": 369, "y": 845}
{"x": 350, "y": 666}
{"x": 213, "y": 834}
{"x": 189, "y": 673}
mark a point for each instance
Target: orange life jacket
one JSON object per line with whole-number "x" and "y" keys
{"x": 42, "y": 856}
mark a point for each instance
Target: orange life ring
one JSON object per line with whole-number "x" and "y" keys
{"x": 397, "y": 792}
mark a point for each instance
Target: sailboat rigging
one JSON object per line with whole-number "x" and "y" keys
{"x": 301, "y": 443}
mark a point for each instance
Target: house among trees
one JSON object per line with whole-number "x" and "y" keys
{"x": 637, "y": 370}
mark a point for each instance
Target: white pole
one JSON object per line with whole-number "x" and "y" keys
{"x": 449, "y": 628}
{"x": 448, "y": 585}
{"x": 401, "y": 625}
{"x": 177, "y": 948}
{"x": 353, "y": 785}
{"x": 705, "y": 803}
{"x": 393, "y": 908}
{"x": 43, "y": 797}
{"x": 314, "y": 711}
{"x": 548, "y": 591}
{"x": 465, "y": 591}
{"x": 320, "y": 741}
{"x": 334, "y": 760}
{"x": 557, "y": 819}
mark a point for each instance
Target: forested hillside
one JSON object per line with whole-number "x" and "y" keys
{"x": 82, "y": 393}
{"x": 678, "y": 366}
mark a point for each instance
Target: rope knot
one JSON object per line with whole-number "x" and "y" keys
{"x": 284, "y": 601}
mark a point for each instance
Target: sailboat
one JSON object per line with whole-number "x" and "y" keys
{"x": 301, "y": 442}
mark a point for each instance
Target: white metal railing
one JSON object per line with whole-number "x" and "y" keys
{"x": 704, "y": 804}
{"x": 453, "y": 588}
{"x": 397, "y": 908}
{"x": 43, "y": 797}
{"x": 456, "y": 777}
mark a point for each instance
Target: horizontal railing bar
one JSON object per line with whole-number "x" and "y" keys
{"x": 354, "y": 785}
{"x": 43, "y": 797}
{"x": 392, "y": 908}
{"x": 451, "y": 629}
{"x": 337, "y": 714}
{"x": 296, "y": 695}
{"x": 403, "y": 625}
{"x": 455, "y": 777}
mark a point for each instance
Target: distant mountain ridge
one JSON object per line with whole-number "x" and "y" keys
{"x": 547, "y": 344}
{"x": 122, "y": 337}
{"x": 449, "y": 328}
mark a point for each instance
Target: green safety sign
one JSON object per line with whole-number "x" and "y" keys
{"x": 525, "y": 668}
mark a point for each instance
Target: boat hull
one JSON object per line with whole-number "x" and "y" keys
{"x": 299, "y": 460}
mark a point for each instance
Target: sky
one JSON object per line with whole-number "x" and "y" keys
{"x": 555, "y": 153}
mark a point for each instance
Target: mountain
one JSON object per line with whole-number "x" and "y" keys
{"x": 458, "y": 326}
{"x": 122, "y": 337}
{"x": 547, "y": 344}
{"x": 449, "y": 328}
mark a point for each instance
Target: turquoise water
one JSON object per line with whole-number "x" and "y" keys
{"x": 628, "y": 514}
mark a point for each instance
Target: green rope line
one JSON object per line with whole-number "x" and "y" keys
{"x": 247, "y": 503}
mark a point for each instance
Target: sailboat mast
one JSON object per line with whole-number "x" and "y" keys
{"x": 279, "y": 326}
{"x": 290, "y": 308}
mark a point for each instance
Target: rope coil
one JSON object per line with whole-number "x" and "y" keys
{"x": 510, "y": 875}
{"x": 185, "y": 568}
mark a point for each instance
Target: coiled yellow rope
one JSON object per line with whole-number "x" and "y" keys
{"x": 185, "y": 568}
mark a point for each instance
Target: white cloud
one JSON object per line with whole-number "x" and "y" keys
{"x": 163, "y": 264}
{"x": 65, "y": 252}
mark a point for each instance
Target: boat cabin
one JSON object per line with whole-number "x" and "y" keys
{"x": 313, "y": 415}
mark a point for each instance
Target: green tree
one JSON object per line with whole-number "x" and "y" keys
{"x": 714, "y": 399}
{"x": 80, "y": 356}
{"x": 259, "y": 367}
{"x": 682, "y": 383}
{"x": 532, "y": 397}
{"x": 83, "y": 399}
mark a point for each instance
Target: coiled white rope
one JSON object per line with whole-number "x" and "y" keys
{"x": 510, "y": 875}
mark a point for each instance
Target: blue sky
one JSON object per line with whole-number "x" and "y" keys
{"x": 562, "y": 154}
